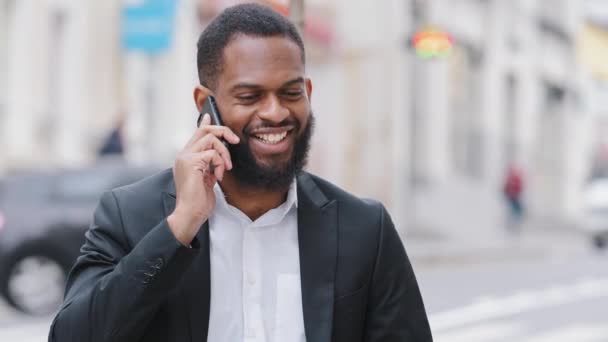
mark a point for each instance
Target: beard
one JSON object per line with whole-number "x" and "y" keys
{"x": 278, "y": 176}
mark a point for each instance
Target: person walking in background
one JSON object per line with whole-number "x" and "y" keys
{"x": 237, "y": 242}
{"x": 113, "y": 144}
{"x": 513, "y": 189}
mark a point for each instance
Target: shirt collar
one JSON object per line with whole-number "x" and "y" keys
{"x": 283, "y": 208}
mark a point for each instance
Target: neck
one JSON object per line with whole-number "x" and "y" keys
{"x": 254, "y": 202}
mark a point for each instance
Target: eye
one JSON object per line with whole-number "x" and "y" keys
{"x": 293, "y": 94}
{"x": 247, "y": 97}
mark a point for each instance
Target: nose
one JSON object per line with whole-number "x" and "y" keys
{"x": 272, "y": 110}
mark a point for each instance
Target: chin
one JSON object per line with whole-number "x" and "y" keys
{"x": 273, "y": 164}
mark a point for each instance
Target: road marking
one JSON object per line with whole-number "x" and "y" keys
{"x": 578, "y": 333}
{"x": 494, "y": 307}
{"x": 26, "y": 332}
{"x": 481, "y": 333}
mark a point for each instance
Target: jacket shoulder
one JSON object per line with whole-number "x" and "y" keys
{"x": 154, "y": 184}
{"x": 141, "y": 205}
{"x": 349, "y": 203}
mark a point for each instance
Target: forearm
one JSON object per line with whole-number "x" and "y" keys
{"x": 114, "y": 302}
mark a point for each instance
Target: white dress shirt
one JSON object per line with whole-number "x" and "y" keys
{"x": 256, "y": 294}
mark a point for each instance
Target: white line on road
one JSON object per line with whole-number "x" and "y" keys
{"x": 26, "y": 332}
{"x": 578, "y": 333}
{"x": 495, "y": 307}
{"x": 481, "y": 333}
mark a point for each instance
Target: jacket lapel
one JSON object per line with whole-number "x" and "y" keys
{"x": 318, "y": 238}
{"x": 195, "y": 284}
{"x": 318, "y": 241}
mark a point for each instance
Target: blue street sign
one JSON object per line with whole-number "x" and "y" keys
{"x": 148, "y": 25}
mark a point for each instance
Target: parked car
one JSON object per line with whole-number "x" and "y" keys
{"x": 43, "y": 218}
{"x": 596, "y": 211}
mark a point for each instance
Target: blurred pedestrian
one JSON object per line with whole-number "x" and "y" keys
{"x": 113, "y": 144}
{"x": 236, "y": 242}
{"x": 513, "y": 189}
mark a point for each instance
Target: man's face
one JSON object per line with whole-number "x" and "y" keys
{"x": 263, "y": 96}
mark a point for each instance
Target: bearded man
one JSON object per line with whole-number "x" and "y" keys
{"x": 236, "y": 242}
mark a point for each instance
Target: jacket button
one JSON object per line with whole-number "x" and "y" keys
{"x": 159, "y": 263}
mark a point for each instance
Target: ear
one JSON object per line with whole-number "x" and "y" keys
{"x": 308, "y": 88}
{"x": 200, "y": 96}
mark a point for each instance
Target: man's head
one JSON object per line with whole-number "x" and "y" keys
{"x": 252, "y": 60}
{"x": 247, "y": 19}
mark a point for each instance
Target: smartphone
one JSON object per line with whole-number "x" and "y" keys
{"x": 210, "y": 107}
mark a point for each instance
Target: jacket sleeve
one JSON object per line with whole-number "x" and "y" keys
{"x": 395, "y": 311}
{"x": 113, "y": 291}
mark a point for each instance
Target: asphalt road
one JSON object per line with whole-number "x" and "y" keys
{"x": 556, "y": 300}
{"x": 536, "y": 300}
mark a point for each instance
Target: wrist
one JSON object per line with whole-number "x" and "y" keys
{"x": 184, "y": 226}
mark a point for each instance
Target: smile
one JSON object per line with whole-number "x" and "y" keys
{"x": 271, "y": 138}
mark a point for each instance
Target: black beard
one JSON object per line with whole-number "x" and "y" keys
{"x": 248, "y": 173}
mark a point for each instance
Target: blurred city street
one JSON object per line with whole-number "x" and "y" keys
{"x": 521, "y": 300}
{"x": 482, "y": 126}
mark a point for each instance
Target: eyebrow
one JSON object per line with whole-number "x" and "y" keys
{"x": 245, "y": 85}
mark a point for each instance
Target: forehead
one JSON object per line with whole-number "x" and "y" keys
{"x": 263, "y": 61}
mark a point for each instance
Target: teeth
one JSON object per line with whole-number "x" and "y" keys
{"x": 271, "y": 138}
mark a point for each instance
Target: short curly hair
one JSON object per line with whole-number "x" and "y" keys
{"x": 247, "y": 19}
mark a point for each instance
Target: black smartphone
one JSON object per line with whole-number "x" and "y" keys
{"x": 210, "y": 107}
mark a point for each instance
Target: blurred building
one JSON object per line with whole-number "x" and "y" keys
{"x": 69, "y": 81}
{"x": 509, "y": 93}
{"x": 593, "y": 53}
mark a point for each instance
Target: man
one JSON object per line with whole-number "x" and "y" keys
{"x": 237, "y": 243}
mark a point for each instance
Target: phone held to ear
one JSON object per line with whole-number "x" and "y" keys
{"x": 210, "y": 107}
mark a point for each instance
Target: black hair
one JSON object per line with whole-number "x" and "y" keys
{"x": 246, "y": 19}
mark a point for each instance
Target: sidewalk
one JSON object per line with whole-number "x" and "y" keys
{"x": 531, "y": 243}
{"x": 461, "y": 224}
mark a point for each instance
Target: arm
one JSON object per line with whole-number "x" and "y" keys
{"x": 113, "y": 291}
{"x": 395, "y": 310}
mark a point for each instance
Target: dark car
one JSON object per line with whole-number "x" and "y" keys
{"x": 43, "y": 218}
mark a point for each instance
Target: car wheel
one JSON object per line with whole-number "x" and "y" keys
{"x": 35, "y": 279}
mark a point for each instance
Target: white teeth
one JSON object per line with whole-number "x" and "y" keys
{"x": 271, "y": 138}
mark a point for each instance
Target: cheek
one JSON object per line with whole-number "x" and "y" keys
{"x": 237, "y": 121}
{"x": 303, "y": 116}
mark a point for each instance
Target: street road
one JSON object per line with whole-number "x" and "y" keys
{"x": 556, "y": 300}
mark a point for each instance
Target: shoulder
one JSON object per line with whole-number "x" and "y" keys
{"x": 151, "y": 186}
{"x": 143, "y": 203}
{"x": 360, "y": 221}
{"x": 348, "y": 203}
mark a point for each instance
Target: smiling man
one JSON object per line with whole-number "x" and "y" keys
{"x": 236, "y": 242}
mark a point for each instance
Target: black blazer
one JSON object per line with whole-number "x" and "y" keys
{"x": 135, "y": 282}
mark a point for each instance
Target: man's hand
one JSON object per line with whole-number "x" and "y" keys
{"x": 194, "y": 178}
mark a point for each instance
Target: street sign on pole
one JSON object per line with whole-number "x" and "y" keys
{"x": 148, "y": 25}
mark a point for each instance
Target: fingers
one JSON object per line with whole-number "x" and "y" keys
{"x": 204, "y": 160}
{"x": 219, "y": 131}
{"x": 211, "y": 142}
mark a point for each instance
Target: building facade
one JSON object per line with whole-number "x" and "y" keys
{"x": 69, "y": 82}
{"x": 418, "y": 135}
{"x": 512, "y": 93}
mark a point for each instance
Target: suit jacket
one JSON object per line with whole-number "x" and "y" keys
{"x": 135, "y": 282}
